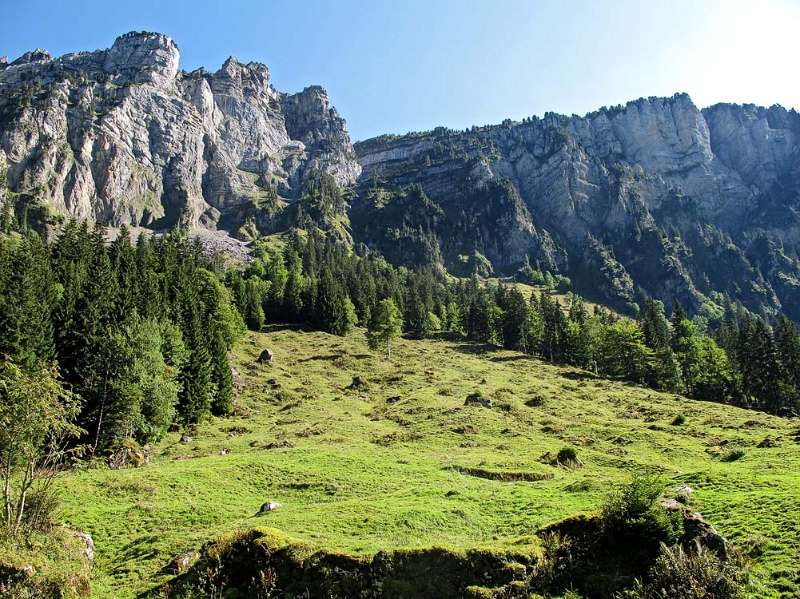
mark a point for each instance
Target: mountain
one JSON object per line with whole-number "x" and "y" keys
{"x": 655, "y": 198}
{"x": 124, "y": 137}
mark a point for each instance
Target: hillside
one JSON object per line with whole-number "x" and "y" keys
{"x": 400, "y": 462}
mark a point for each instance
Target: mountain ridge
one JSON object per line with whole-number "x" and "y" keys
{"x": 656, "y": 197}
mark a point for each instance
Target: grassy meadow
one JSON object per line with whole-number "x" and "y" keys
{"x": 398, "y": 460}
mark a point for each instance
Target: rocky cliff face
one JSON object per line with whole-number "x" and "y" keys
{"x": 656, "y": 197}
{"x": 124, "y": 137}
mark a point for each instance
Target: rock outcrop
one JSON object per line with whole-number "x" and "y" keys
{"x": 655, "y": 197}
{"x": 122, "y": 136}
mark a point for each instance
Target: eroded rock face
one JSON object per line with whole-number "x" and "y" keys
{"x": 656, "y": 195}
{"x": 122, "y": 136}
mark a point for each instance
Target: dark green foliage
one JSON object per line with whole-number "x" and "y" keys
{"x": 133, "y": 329}
{"x": 632, "y": 516}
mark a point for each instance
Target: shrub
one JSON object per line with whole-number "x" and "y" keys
{"x": 567, "y": 456}
{"x": 692, "y": 575}
{"x": 632, "y": 515}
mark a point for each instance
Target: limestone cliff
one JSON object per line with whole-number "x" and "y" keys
{"x": 655, "y": 197}
{"x": 124, "y": 137}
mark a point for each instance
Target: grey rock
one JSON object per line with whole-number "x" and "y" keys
{"x": 181, "y": 563}
{"x": 476, "y": 399}
{"x": 88, "y": 542}
{"x": 699, "y": 533}
{"x": 269, "y": 506}
{"x": 185, "y": 439}
{"x": 122, "y": 136}
{"x": 656, "y": 194}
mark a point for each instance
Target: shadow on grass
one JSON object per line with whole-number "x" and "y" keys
{"x": 276, "y": 327}
{"x": 476, "y": 349}
{"x": 322, "y": 358}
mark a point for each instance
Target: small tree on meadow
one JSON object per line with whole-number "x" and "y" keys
{"x": 36, "y": 419}
{"x": 386, "y": 324}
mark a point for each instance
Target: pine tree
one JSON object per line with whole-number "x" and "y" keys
{"x": 295, "y": 286}
{"x": 515, "y": 321}
{"x": 29, "y": 295}
{"x": 333, "y": 314}
{"x": 197, "y": 386}
{"x": 222, "y": 404}
{"x": 654, "y": 325}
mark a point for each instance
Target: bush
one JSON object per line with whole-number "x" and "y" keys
{"x": 696, "y": 575}
{"x": 567, "y": 456}
{"x": 633, "y": 515}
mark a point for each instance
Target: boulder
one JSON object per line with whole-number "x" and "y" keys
{"x": 127, "y": 456}
{"x": 28, "y": 571}
{"x": 269, "y": 506}
{"x": 88, "y": 543}
{"x": 182, "y": 562}
{"x": 265, "y": 357}
{"x": 699, "y": 533}
{"x": 358, "y": 383}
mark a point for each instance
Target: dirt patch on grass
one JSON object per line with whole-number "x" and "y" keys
{"x": 505, "y": 477}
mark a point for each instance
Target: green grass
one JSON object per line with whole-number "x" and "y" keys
{"x": 356, "y": 473}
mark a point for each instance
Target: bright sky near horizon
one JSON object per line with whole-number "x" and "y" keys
{"x": 396, "y": 66}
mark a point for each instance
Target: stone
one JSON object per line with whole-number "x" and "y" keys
{"x": 265, "y": 357}
{"x": 269, "y": 506}
{"x": 88, "y": 543}
{"x": 181, "y": 563}
{"x": 27, "y": 572}
{"x": 186, "y": 439}
{"x": 358, "y": 383}
{"x": 127, "y": 456}
{"x": 699, "y": 533}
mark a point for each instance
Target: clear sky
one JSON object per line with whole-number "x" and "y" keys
{"x": 393, "y": 66}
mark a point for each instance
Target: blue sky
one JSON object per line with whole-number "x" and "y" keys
{"x": 397, "y": 66}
